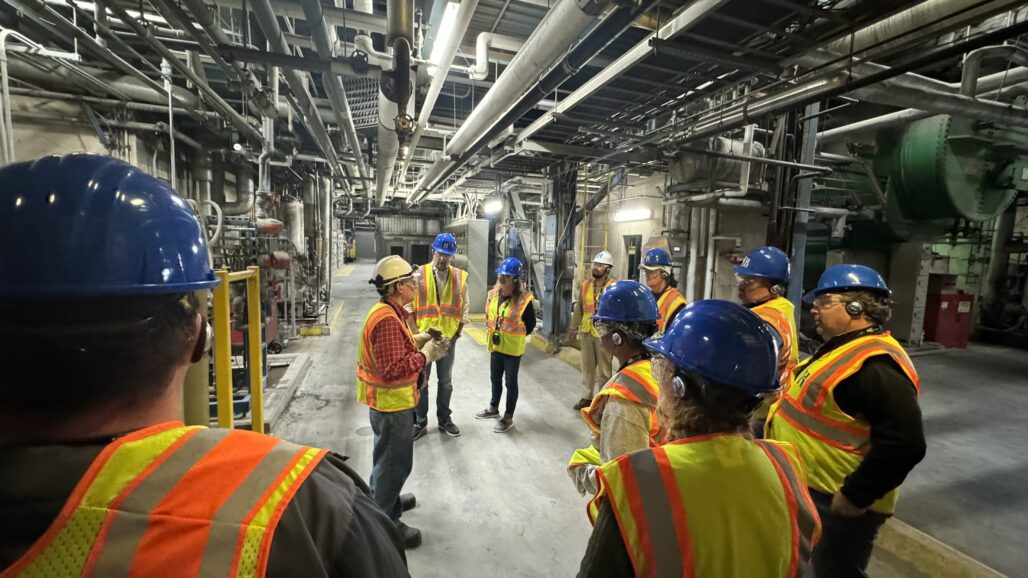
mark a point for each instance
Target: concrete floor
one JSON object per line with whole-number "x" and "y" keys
{"x": 502, "y": 505}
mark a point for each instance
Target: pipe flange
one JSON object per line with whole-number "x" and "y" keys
{"x": 359, "y": 62}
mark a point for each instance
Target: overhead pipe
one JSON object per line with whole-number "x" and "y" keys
{"x": 592, "y": 44}
{"x": 596, "y": 198}
{"x": 245, "y": 194}
{"x": 395, "y": 124}
{"x": 485, "y": 41}
{"x": 973, "y": 64}
{"x": 268, "y": 22}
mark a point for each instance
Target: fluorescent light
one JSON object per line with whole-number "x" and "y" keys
{"x": 705, "y": 85}
{"x": 632, "y": 215}
{"x": 446, "y": 24}
{"x": 492, "y": 206}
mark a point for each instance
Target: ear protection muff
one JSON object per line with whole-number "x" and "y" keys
{"x": 777, "y": 289}
{"x": 678, "y": 386}
{"x": 203, "y": 343}
{"x": 616, "y": 338}
{"x": 854, "y": 308}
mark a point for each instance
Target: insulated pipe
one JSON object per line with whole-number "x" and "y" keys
{"x": 973, "y": 64}
{"x": 376, "y": 58}
{"x": 708, "y": 275}
{"x": 243, "y": 204}
{"x": 694, "y": 244}
{"x": 485, "y": 41}
{"x": 400, "y": 18}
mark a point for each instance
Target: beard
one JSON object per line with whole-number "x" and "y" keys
{"x": 598, "y": 274}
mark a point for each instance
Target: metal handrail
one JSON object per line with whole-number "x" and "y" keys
{"x": 223, "y": 347}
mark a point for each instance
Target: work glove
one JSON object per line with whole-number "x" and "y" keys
{"x": 420, "y": 339}
{"x": 435, "y": 350}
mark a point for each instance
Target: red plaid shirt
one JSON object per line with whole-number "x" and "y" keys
{"x": 395, "y": 355}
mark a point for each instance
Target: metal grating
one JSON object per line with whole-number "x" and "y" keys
{"x": 363, "y": 96}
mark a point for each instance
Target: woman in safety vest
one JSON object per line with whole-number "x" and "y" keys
{"x": 510, "y": 318}
{"x": 660, "y": 278}
{"x": 712, "y": 501}
{"x": 623, "y": 415}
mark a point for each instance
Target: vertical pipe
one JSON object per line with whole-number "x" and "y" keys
{"x": 254, "y": 321}
{"x": 326, "y": 239}
{"x": 169, "y": 87}
{"x": 708, "y": 275}
{"x": 799, "y": 231}
{"x": 223, "y": 351}
{"x": 998, "y": 255}
{"x": 196, "y": 392}
{"x": 694, "y": 246}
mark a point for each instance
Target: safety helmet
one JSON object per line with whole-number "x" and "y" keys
{"x": 510, "y": 266}
{"x": 391, "y": 269}
{"x": 722, "y": 342}
{"x": 656, "y": 259}
{"x": 445, "y": 243}
{"x": 627, "y": 302}
{"x": 768, "y": 262}
{"x": 604, "y": 258}
{"x": 849, "y": 277}
{"x": 85, "y": 226}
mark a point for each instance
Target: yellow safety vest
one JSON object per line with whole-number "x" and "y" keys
{"x": 668, "y": 302}
{"x": 717, "y": 505}
{"x": 172, "y": 500}
{"x": 506, "y": 320}
{"x": 831, "y": 442}
{"x": 590, "y": 296}
{"x": 780, "y": 314}
{"x": 372, "y": 390}
{"x": 442, "y": 311}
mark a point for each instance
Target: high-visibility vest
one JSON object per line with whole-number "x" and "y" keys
{"x": 668, "y": 303}
{"x": 445, "y": 310}
{"x": 505, "y": 320}
{"x": 716, "y": 505}
{"x": 177, "y": 501}
{"x": 831, "y": 442}
{"x": 373, "y": 390}
{"x": 780, "y": 314}
{"x": 590, "y": 296}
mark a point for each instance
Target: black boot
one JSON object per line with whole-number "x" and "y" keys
{"x": 411, "y": 537}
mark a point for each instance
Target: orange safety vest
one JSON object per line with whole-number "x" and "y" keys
{"x": 780, "y": 314}
{"x": 372, "y": 390}
{"x": 444, "y": 311}
{"x": 508, "y": 323}
{"x": 690, "y": 508}
{"x": 832, "y": 442}
{"x": 635, "y": 383}
{"x": 590, "y": 297}
{"x": 174, "y": 501}
{"x": 668, "y": 303}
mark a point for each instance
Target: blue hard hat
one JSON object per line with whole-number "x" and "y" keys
{"x": 723, "y": 342}
{"x": 445, "y": 243}
{"x": 657, "y": 258}
{"x": 849, "y": 277}
{"x": 767, "y": 262}
{"x": 627, "y": 302}
{"x": 510, "y": 266}
{"x": 92, "y": 226}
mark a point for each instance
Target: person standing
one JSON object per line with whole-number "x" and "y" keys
{"x": 510, "y": 317}
{"x": 441, "y": 304}
{"x": 99, "y": 323}
{"x": 852, "y": 412}
{"x": 763, "y": 277}
{"x": 623, "y": 415}
{"x": 388, "y": 365}
{"x": 595, "y": 361}
{"x": 660, "y": 278}
{"x": 712, "y": 501}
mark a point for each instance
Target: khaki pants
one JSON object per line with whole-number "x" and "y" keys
{"x": 593, "y": 357}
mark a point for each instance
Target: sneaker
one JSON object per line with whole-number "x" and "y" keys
{"x": 419, "y": 431}
{"x": 411, "y": 537}
{"x": 450, "y": 429}
{"x": 505, "y": 423}
{"x": 583, "y": 403}
{"x": 408, "y": 501}
{"x": 488, "y": 413}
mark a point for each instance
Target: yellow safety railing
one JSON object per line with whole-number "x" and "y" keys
{"x": 223, "y": 346}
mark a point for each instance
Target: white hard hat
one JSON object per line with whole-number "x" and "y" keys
{"x": 391, "y": 269}
{"x": 604, "y": 258}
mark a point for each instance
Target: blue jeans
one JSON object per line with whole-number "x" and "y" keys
{"x": 392, "y": 458}
{"x": 846, "y": 543}
{"x": 443, "y": 393}
{"x": 501, "y": 364}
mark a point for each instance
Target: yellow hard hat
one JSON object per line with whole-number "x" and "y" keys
{"x": 391, "y": 269}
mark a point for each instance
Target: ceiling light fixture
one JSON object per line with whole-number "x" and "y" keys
{"x": 446, "y": 25}
{"x": 627, "y": 215}
{"x": 493, "y": 206}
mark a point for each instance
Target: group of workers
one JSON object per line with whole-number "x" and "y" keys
{"x": 103, "y": 275}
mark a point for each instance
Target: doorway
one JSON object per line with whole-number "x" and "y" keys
{"x": 633, "y": 249}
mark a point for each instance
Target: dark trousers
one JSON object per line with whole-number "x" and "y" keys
{"x": 444, "y": 389}
{"x": 392, "y": 457}
{"x": 501, "y": 364}
{"x": 846, "y": 543}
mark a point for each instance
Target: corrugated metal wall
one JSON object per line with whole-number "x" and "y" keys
{"x": 395, "y": 225}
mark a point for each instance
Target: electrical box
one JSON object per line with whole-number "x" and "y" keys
{"x": 947, "y": 319}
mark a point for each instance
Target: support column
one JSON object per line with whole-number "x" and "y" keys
{"x": 799, "y": 231}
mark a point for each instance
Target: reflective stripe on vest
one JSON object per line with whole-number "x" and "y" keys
{"x": 686, "y": 509}
{"x": 372, "y": 390}
{"x": 589, "y": 300}
{"x": 443, "y": 311}
{"x": 174, "y": 501}
{"x": 831, "y": 442}
{"x": 511, "y": 328}
{"x": 668, "y": 302}
{"x": 636, "y": 384}
{"x": 780, "y": 314}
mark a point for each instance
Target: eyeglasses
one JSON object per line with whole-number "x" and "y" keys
{"x": 825, "y": 301}
{"x": 603, "y": 329}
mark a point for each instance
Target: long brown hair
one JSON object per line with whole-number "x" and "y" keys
{"x": 515, "y": 294}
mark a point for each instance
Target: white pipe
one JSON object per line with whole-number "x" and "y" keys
{"x": 694, "y": 244}
{"x": 376, "y": 58}
{"x": 485, "y": 41}
{"x": 708, "y": 276}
